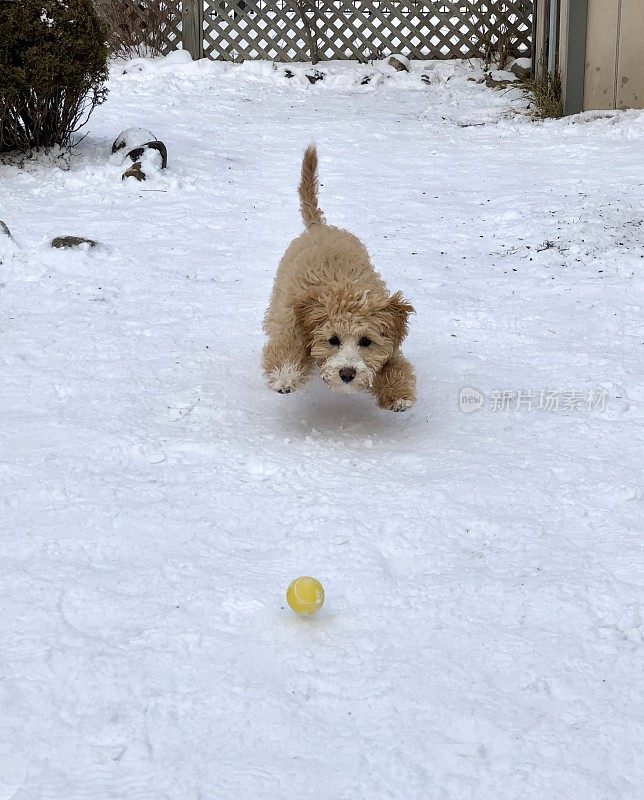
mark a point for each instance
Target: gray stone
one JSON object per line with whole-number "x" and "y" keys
{"x": 4, "y": 229}
{"x": 521, "y": 68}
{"x": 65, "y": 242}
{"x": 399, "y": 63}
{"x": 134, "y": 171}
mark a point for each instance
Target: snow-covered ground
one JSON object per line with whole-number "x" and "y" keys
{"x": 482, "y": 634}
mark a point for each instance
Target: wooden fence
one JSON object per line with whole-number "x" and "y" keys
{"x": 312, "y": 30}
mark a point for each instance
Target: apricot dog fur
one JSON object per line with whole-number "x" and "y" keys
{"x": 329, "y": 307}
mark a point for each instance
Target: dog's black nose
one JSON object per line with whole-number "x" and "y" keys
{"x": 347, "y": 374}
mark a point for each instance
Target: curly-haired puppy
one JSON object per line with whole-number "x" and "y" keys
{"x": 329, "y": 307}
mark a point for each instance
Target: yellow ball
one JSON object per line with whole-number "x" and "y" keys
{"x": 305, "y": 596}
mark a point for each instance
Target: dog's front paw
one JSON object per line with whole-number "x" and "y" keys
{"x": 285, "y": 379}
{"x": 401, "y": 404}
{"x": 395, "y": 403}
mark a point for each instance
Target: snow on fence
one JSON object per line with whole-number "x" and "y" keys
{"x": 313, "y": 30}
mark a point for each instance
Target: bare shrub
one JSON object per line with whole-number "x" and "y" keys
{"x": 547, "y": 95}
{"x": 52, "y": 72}
{"x": 308, "y": 23}
{"x": 138, "y": 27}
{"x": 497, "y": 45}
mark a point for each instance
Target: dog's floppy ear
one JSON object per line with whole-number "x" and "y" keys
{"x": 310, "y": 312}
{"x": 394, "y": 317}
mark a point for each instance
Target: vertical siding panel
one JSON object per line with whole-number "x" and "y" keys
{"x": 630, "y": 66}
{"x": 562, "y": 44}
{"x": 601, "y": 54}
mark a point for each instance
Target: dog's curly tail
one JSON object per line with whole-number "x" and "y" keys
{"x": 308, "y": 189}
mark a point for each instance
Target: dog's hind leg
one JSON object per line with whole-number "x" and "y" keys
{"x": 395, "y": 385}
{"x": 286, "y": 362}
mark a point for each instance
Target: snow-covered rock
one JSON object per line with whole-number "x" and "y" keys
{"x": 139, "y": 145}
{"x": 502, "y": 76}
{"x": 148, "y": 161}
{"x": 138, "y": 153}
{"x": 521, "y": 67}
{"x": 132, "y": 137}
{"x": 68, "y": 242}
{"x": 399, "y": 62}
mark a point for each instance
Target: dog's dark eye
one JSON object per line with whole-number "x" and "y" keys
{"x": 334, "y": 340}
{"x": 365, "y": 341}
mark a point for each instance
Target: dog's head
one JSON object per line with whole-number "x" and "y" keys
{"x": 351, "y": 333}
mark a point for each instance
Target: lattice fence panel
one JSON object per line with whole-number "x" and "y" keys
{"x": 172, "y": 30}
{"x": 291, "y": 30}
